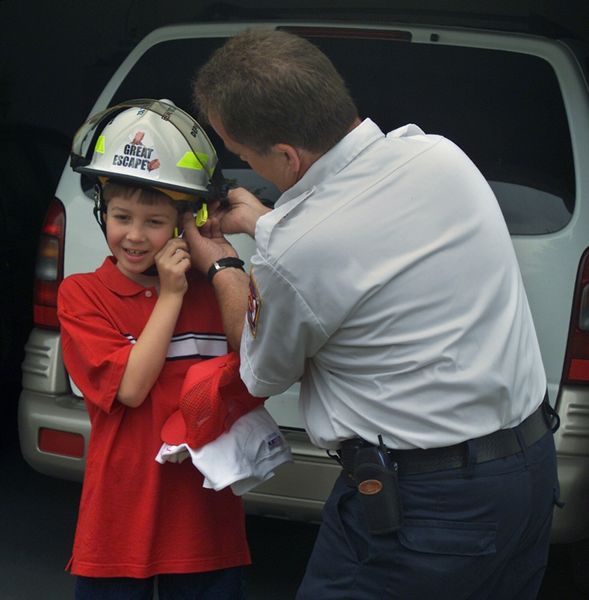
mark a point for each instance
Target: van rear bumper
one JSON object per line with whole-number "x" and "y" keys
{"x": 65, "y": 413}
{"x": 298, "y": 490}
{"x": 571, "y": 523}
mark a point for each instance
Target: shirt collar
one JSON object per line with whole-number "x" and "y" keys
{"x": 114, "y": 280}
{"x": 335, "y": 159}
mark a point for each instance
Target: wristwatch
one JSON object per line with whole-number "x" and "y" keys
{"x": 224, "y": 263}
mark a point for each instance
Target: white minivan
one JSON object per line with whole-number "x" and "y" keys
{"x": 517, "y": 104}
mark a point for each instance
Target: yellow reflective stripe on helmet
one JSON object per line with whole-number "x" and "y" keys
{"x": 190, "y": 160}
{"x": 99, "y": 144}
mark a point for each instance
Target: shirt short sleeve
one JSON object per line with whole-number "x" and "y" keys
{"x": 95, "y": 352}
{"x": 280, "y": 333}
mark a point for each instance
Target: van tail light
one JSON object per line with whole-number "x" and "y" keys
{"x": 49, "y": 266}
{"x": 576, "y": 364}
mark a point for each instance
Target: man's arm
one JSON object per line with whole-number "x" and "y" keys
{"x": 231, "y": 288}
{"x": 209, "y": 244}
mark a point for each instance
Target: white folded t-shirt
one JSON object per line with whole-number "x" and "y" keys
{"x": 243, "y": 457}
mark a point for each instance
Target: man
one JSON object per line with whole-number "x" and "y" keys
{"x": 386, "y": 282}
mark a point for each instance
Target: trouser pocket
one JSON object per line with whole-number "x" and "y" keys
{"x": 448, "y": 537}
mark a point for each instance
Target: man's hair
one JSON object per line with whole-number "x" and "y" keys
{"x": 269, "y": 87}
{"x": 147, "y": 195}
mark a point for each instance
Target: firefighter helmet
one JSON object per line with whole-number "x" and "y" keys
{"x": 146, "y": 142}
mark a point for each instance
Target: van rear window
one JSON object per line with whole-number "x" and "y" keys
{"x": 504, "y": 109}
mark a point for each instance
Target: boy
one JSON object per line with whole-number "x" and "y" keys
{"x": 128, "y": 341}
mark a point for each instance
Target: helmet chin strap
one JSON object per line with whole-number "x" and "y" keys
{"x": 99, "y": 207}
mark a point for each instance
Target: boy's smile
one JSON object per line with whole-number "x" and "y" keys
{"x": 136, "y": 231}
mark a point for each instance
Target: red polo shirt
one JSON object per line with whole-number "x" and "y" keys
{"x": 138, "y": 518}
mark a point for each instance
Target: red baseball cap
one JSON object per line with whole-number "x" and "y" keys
{"x": 213, "y": 397}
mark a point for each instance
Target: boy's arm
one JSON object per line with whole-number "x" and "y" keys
{"x": 148, "y": 355}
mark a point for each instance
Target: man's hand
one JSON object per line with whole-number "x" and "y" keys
{"x": 206, "y": 244}
{"x": 243, "y": 212}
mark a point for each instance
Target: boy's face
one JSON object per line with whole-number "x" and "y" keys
{"x": 135, "y": 232}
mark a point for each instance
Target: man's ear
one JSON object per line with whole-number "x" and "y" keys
{"x": 291, "y": 157}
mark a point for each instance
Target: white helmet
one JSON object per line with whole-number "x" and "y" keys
{"x": 147, "y": 142}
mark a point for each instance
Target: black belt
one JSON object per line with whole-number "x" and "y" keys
{"x": 495, "y": 445}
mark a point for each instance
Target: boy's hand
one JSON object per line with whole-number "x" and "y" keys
{"x": 172, "y": 262}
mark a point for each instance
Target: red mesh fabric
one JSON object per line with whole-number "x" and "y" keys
{"x": 213, "y": 397}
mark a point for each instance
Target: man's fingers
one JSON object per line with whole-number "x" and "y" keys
{"x": 188, "y": 221}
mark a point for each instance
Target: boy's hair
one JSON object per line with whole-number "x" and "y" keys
{"x": 147, "y": 195}
{"x": 269, "y": 87}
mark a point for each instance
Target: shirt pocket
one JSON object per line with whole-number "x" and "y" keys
{"x": 448, "y": 537}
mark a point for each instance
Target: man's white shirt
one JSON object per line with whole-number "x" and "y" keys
{"x": 386, "y": 282}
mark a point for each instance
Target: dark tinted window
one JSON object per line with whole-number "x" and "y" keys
{"x": 504, "y": 109}
{"x": 166, "y": 71}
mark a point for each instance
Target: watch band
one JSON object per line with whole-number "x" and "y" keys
{"x": 224, "y": 263}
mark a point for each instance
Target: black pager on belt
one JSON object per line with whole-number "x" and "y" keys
{"x": 376, "y": 479}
